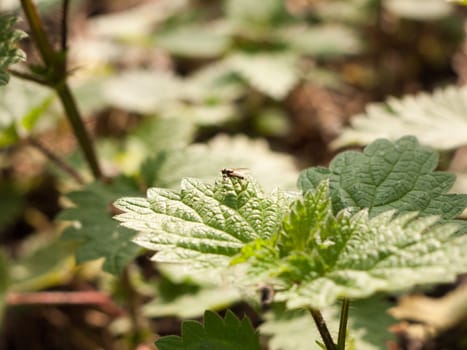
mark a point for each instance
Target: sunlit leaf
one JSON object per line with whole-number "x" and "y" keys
{"x": 25, "y": 107}
{"x": 437, "y": 120}
{"x": 431, "y": 9}
{"x": 387, "y": 176}
{"x": 273, "y": 74}
{"x": 202, "y": 225}
{"x": 322, "y": 41}
{"x": 318, "y": 257}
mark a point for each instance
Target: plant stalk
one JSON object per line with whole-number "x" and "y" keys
{"x": 56, "y": 79}
{"x": 323, "y": 329}
{"x": 57, "y": 160}
{"x": 74, "y": 117}
{"x": 344, "y": 317}
{"x": 38, "y": 32}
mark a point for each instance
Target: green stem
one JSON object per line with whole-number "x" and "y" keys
{"x": 323, "y": 329}
{"x": 28, "y": 76}
{"x": 57, "y": 160}
{"x": 56, "y": 78}
{"x": 344, "y": 317}
{"x": 74, "y": 117}
{"x": 64, "y": 36}
{"x": 38, "y": 32}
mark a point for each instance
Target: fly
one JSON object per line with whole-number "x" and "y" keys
{"x": 233, "y": 172}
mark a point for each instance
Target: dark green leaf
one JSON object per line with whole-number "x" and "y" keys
{"x": 389, "y": 176}
{"x": 101, "y": 236}
{"x": 318, "y": 257}
{"x": 217, "y": 334}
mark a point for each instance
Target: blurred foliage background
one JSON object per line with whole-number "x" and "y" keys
{"x": 183, "y": 88}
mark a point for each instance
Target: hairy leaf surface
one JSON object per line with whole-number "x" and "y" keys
{"x": 387, "y": 176}
{"x": 319, "y": 257}
{"x": 437, "y": 120}
{"x": 202, "y": 224}
{"x": 224, "y": 334}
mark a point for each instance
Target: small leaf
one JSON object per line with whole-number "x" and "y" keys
{"x": 387, "y": 176}
{"x": 318, "y": 257}
{"x": 267, "y": 13}
{"x": 202, "y": 225}
{"x": 273, "y": 74}
{"x": 220, "y": 334}
{"x": 324, "y": 41}
{"x": 195, "y": 41}
{"x": 101, "y": 236}
{"x": 431, "y": 9}
{"x": 36, "y": 112}
{"x": 437, "y": 120}
{"x": 9, "y": 53}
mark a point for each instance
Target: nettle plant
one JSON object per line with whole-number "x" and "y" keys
{"x": 377, "y": 221}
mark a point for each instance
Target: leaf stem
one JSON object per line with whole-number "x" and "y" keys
{"x": 323, "y": 329}
{"x": 344, "y": 317}
{"x": 57, "y": 160}
{"x": 28, "y": 76}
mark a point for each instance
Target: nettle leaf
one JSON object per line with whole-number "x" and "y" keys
{"x": 9, "y": 52}
{"x": 324, "y": 41}
{"x": 387, "y": 176}
{"x": 430, "y": 11}
{"x": 251, "y": 13}
{"x": 437, "y": 120}
{"x": 100, "y": 235}
{"x": 273, "y": 74}
{"x": 217, "y": 333}
{"x": 195, "y": 41}
{"x": 202, "y": 225}
{"x": 319, "y": 257}
{"x": 35, "y": 113}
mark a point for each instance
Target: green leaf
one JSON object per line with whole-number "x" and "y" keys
{"x": 273, "y": 74}
{"x": 318, "y": 258}
{"x": 431, "y": 9}
{"x": 142, "y": 91}
{"x": 45, "y": 262}
{"x": 266, "y": 13}
{"x": 386, "y": 176}
{"x": 195, "y": 41}
{"x": 437, "y": 120}
{"x": 9, "y": 52}
{"x": 202, "y": 225}
{"x": 217, "y": 334}
{"x": 23, "y": 106}
{"x": 296, "y": 330}
{"x": 325, "y": 41}
{"x": 101, "y": 236}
